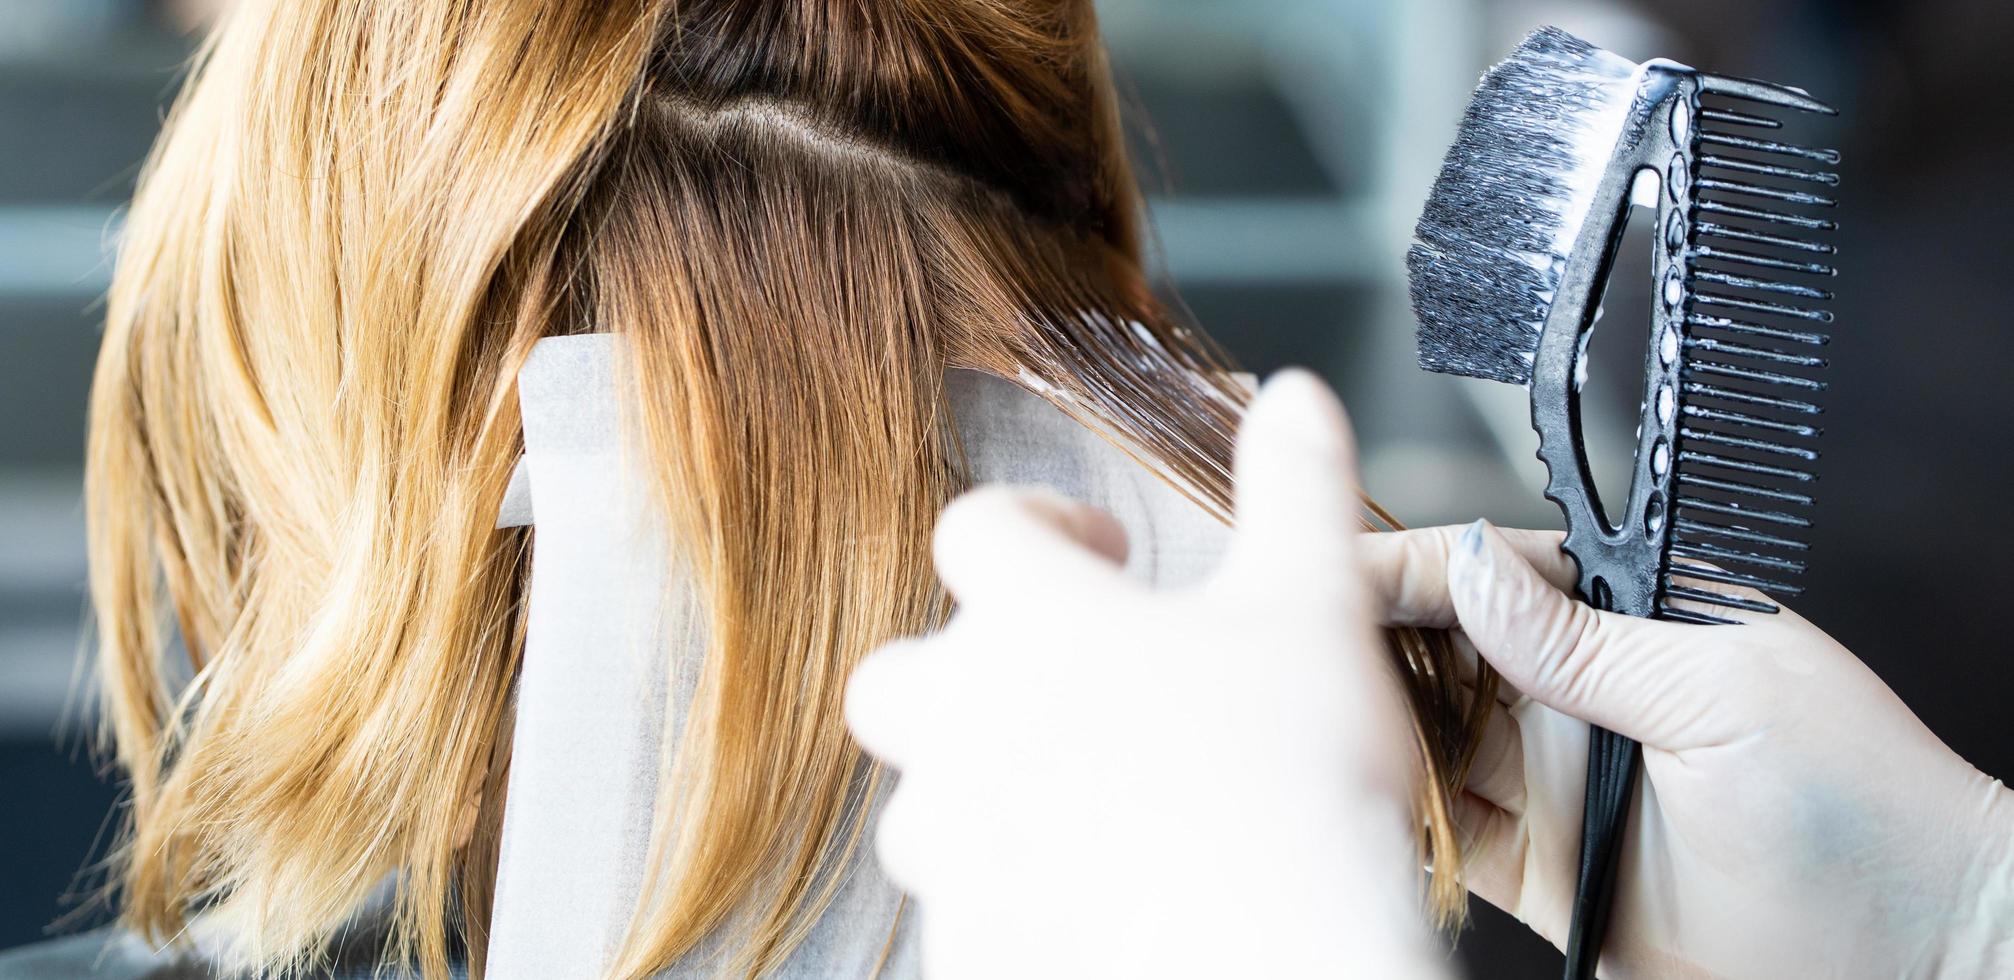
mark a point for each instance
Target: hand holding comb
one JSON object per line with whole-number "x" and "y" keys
{"x": 1514, "y": 251}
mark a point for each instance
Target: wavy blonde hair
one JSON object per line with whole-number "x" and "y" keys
{"x": 361, "y": 216}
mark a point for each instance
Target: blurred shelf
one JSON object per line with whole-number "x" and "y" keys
{"x": 56, "y": 249}
{"x": 1266, "y": 240}
{"x": 42, "y": 696}
{"x": 42, "y": 603}
{"x": 78, "y": 123}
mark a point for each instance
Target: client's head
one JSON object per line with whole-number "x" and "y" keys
{"x": 796, "y": 214}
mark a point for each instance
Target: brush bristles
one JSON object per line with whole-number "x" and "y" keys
{"x": 1509, "y": 203}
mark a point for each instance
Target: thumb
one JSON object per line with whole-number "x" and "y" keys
{"x": 1649, "y": 680}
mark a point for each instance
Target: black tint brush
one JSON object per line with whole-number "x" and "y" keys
{"x": 1514, "y": 252}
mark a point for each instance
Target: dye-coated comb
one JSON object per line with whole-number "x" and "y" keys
{"x": 1513, "y": 254}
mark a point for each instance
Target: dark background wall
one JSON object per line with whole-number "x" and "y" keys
{"x": 1291, "y": 142}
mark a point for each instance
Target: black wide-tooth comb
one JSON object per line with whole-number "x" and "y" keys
{"x": 1513, "y": 254}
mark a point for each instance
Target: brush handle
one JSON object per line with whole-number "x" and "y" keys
{"x": 1621, "y": 563}
{"x": 1612, "y": 762}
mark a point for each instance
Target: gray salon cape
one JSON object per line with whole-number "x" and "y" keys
{"x": 611, "y": 646}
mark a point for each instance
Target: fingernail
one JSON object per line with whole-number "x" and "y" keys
{"x": 1054, "y": 507}
{"x": 1471, "y": 571}
{"x": 1472, "y": 539}
{"x": 1302, "y": 402}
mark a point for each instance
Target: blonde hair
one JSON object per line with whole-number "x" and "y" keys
{"x": 359, "y": 219}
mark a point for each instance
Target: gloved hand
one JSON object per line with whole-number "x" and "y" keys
{"x": 1099, "y": 779}
{"x": 1793, "y": 818}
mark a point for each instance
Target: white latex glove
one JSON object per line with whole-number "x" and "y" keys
{"x": 1793, "y": 818}
{"x": 1099, "y": 779}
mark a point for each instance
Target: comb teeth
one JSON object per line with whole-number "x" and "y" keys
{"x": 1701, "y": 532}
{"x": 1708, "y": 573}
{"x": 1753, "y": 316}
{"x": 1748, "y": 489}
{"x": 1711, "y": 345}
{"x": 1751, "y": 398}
{"x": 1739, "y": 118}
{"x": 1751, "y": 421}
{"x": 1719, "y": 599}
{"x": 1677, "y": 615}
{"x": 1762, "y": 285}
{"x": 1752, "y": 445}
{"x": 1746, "y": 466}
{"x": 1740, "y": 165}
{"x": 1763, "y": 306}
{"x": 1715, "y": 229}
{"x": 1716, "y": 553}
{"x": 1764, "y": 190}
{"x": 1745, "y": 513}
{"x": 1740, "y": 373}
{"x": 1767, "y": 93}
{"x": 1774, "y": 217}
{"x": 1762, "y": 261}
{"x": 1771, "y": 146}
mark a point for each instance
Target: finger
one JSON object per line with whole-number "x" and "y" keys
{"x": 1025, "y": 544}
{"x": 1407, "y": 571}
{"x": 1497, "y": 774}
{"x": 1681, "y": 578}
{"x": 1469, "y": 674}
{"x": 889, "y": 697}
{"x": 1493, "y": 851}
{"x": 1296, "y": 492}
{"x": 1642, "y": 678}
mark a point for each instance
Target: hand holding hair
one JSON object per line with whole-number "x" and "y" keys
{"x": 1099, "y": 779}
{"x": 1794, "y": 817}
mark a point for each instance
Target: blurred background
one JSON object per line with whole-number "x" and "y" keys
{"x": 1287, "y": 145}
